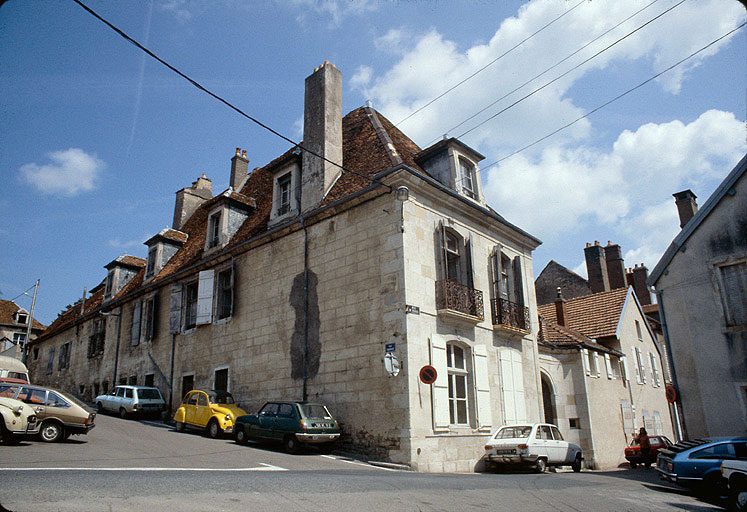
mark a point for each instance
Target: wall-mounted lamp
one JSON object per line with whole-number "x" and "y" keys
{"x": 402, "y": 193}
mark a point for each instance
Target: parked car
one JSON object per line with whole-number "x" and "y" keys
{"x": 132, "y": 400}
{"x": 697, "y": 463}
{"x": 16, "y": 419}
{"x": 633, "y": 452}
{"x": 295, "y": 424}
{"x": 538, "y": 446}
{"x": 734, "y": 472}
{"x": 13, "y": 370}
{"x": 213, "y": 411}
{"x": 59, "y": 414}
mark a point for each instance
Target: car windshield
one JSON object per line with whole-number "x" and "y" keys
{"x": 518, "y": 432}
{"x": 148, "y": 394}
{"x": 315, "y": 411}
{"x": 221, "y": 398}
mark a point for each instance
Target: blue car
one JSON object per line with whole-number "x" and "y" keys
{"x": 697, "y": 463}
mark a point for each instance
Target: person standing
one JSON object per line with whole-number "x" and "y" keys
{"x": 645, "y": 444}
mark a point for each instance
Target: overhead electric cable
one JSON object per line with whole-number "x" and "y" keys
{"x": 447, "y": 91}
{"x": 545, "y": 71}
{"x": 567, "y": 72}
{"x": 615, "y": 98}
{"x": 225, "y": 102}
{"x": 25, "y": 292}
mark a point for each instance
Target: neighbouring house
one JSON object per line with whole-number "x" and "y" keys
{"x": 701, "y": 289}
{"x": 14, "y": 322}
{"x": 308, "y": 274}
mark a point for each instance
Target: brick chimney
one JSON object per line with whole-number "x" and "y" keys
{"x": 322, "y": 134}
{"x": 560, "y": 308}
{"x": 189, "y": 199}
{"x": 239, "y": 170}
{"x": 686, "y": 205}
{"x": 615, "y": 266}
{"x": 640, "y": 273}
{"x": 596, "y": 268}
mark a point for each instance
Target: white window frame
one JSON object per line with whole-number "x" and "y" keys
{"x": 151, "y": 263}
{"x": 221, "y": 213}
{"x": 292, "y": 171}
{"x": 455, "y": 374}
{"x": 110, "y": 284}
{"x": 467, "y": 174}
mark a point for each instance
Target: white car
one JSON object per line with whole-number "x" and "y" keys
{"x": 132, "y": 400}
{"x": 539, "y": 445}
{"x": 16, "y": 419}
{"x": 734, "y": 473}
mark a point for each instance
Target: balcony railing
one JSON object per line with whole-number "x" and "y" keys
{"x": 510, "y": 314}
{"x": 456, "y": 297}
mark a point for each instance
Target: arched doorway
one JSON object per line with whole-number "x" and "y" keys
{"x": 548, "y": 400}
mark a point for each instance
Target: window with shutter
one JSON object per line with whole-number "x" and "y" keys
{"x": 205, "y": 297}
{"x": 512, "y": 387}
{"x": 640, "y": 371}
{"x": 135, "y": 330}
{"x": 734, "y": 280}
{"x": 608, "y": 366}
{"x": 482, "y": 386}
{"x": 439, "y": 389}
{"x": 224, "y": 293}
{"x": 585, "y": 361}
{"x": 190, "y": 305}
{"x": 175, "y": 308}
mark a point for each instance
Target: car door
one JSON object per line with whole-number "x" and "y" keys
{"x": 58, "y": 407}
{"x": 707, "y": 459}
{"x": 36, "y": 398}
{"x": 116, "y": 399}
{"x": 202, "y": 409}
{"x": 542, "y": 439}
{"x": 560, "y": 451}
{"x": 190, "y": 406}
{"x": 267, "y": 419}
{"x": 287, "y": 421}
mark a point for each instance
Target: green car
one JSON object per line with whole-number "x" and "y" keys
{"x": 295, "y": 424}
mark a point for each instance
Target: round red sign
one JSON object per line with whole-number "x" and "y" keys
{"x": 428, "y": 374}
{"x": 671, "y": 393}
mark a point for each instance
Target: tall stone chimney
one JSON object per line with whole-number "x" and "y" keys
{"x": 189, "y": 199}
{"x": 686, "y": 205}
{"x": 615, "y": 266}
{"x": 596, "y": 268}
{"x": 239, "y": 170}
{"x": 560, "y": 308}
{"x": 640, "y": 274}
{"x": 322, "y": 134}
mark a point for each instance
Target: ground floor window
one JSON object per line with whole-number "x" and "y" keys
{"x": 221, "y": 379}
{"x": 457, "y": 382}
{"x": 149, "y": 378}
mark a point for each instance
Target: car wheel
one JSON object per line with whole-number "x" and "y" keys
{"x": 5, "y": 435}
{"x": 122, "y": 413}
{"x": 576, "y": 466}
{"x": 738, "y": 500}
{"x": 100, "y": 408}
{"x": 291, "y": 444}
{"x": 213, "y": 429}
{"x": 240, "y": 435}
{"x": 713, "y": 485}
{"x": 50, "y": 432}
{"x": 540, "y": 465}
{"x": 633, "y": 465}
{"x": 326, "y": 447}
{"x": 179, "y": 426}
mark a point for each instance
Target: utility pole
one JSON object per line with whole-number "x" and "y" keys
{"x": 28, "y": 328}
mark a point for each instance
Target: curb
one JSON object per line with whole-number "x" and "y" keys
{"x": 389, "y": 465}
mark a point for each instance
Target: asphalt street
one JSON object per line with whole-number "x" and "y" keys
{"x": 138, "y": 465}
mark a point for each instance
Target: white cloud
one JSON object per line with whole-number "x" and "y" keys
{"x": 335, "y": 10}
{"x": 181, "y": 9}
{"x": 70, "y": 172}
{"x": 361, "y": 78}
{"x": 118, "y": 243}
{"x": 392, "y": 41}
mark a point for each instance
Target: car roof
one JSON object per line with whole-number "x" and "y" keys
{"x": 132, "y": 386}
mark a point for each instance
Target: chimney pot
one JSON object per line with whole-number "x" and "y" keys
{"x": 687, "y": 207}
{"x": 243, "y": 154}
{"x": 560, "y": 313}
{"x": 615, "y": 266}
{"x": 596, "y": 268}
{"x": 239, "y": 170}
{"x": 238, "y": 150}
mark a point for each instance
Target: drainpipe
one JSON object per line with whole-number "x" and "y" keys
{"x": 116, "y": 351}
{"x": 305, "y": 307}
{"x": 171, "y": 377}
{"x": 679, "y": 422}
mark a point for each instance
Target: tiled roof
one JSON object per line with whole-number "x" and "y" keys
{"x": 595, "y": 315}
{"x": 8, "y": 310}
{"x": 232, "y": 197}
{"x": 553, "y": 335}
{"x": 68, "y": 317}
{"x": 168, "y": 234}
{"x": 127, "y": 261}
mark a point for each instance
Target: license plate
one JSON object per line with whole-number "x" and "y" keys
{"x": 505, "y": 452}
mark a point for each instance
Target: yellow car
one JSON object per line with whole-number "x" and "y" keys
{"x": 213, "y": 411}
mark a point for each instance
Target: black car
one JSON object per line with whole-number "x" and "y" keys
{"x": 295, "y": 424}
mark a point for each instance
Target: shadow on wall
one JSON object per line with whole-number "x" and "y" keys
{"x": 297, "y": 301}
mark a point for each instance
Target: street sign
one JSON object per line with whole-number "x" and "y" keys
{"x": 428, "y": 374}
{"x": 671, "y": 394}
{"x": 414, "y": 310}
{"x": 389, "y": 347}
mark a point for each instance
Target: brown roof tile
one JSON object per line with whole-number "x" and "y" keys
{"x": 127, "y": 261}
{"x": 8, "y": 310}
{"x": 68, "y": 317}
{"x": 595, "y": 315}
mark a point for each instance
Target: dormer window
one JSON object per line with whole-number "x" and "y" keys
{"x": 284, "y": 194}
{"x": 467, "y": 171}
{"x": 150, "y": 267}
{"x": 214, "y": 229}
{"x": 161, "y": 248}
{"x": 454, "y": 165}
{"x": 109, "y": 283}
{"x": 22, "y": 318}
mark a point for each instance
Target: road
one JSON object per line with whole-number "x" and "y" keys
{"x": 138, "y": 465}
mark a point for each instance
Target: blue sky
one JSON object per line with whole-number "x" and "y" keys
{"x": 97, "y": 136}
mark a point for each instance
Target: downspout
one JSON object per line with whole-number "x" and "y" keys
{"x": 116, "y": 351}
{"x": 305, "y": 307}
{"x": 171, "y": 377}
{"x": 679, "y": 422}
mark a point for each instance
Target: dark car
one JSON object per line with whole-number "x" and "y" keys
{"x": 633, "y": 452}
{"x": 295, "y": 424}
{"x": 697, "y": 463}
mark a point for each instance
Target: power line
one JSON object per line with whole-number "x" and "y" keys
{"x": 25, "y": 292}
{"x": 615, "y": 98}
{"x": 225, "y": 102}
{"x": 447, "y": 91}
{"x": 567, "y": 72}
{"x": 545, "y": 71}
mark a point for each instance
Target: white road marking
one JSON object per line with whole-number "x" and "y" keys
{"x": 355, "y": 462}
{"x": 266, "y": 467}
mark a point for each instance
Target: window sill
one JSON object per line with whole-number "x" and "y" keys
{"x": 222, "y": 320}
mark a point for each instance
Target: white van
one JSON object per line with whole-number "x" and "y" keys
{"x": 12, "y": 368}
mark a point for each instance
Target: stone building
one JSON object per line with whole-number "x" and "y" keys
{"x": 701, "y": 289}
{"x": 299, "y": 279}
{"x": 14, "y": 322}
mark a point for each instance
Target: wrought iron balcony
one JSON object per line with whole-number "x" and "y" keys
{"x": 510, "y": 314}
{"x": 450, "y": 295}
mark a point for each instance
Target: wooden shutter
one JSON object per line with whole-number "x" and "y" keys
{"x": 153, "y": 314}
{"x": 624, "y": 366}
{"x": 597, "y": 370}
{"x": 585, "y": 361}
{"x": 608, "y": 365}
{"x": 441, "y": 249}
{"x": 470, "y": 280}
{"x": 233, "y": 285}
{"x": 495, "y": 263}
{"x": 500, "y": 292}
{"x": 135, "y": 331}
{"x": 482, "y": 386}
{"x": 512, "y": 387}
{"x": 637, "y": 363}
{"x": 440, "y": 388}
{"x": 205, "y": 297}
{"x": 734, "y": 278}
{"x": 175, "y": 309}
{"x": 518, "y": 282}
{"x": 627, "y": 416}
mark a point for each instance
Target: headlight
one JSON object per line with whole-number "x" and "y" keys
{"x": 18, "y": 410}
{"x": 228, "y": 417}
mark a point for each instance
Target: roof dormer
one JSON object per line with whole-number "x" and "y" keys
{"x": 21, "y": 317}
{"x": 454, "y": 165}
{"x": 226, "y": 213}
{"x": 121, "y": 271}
{"x": 161, "y": 248}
